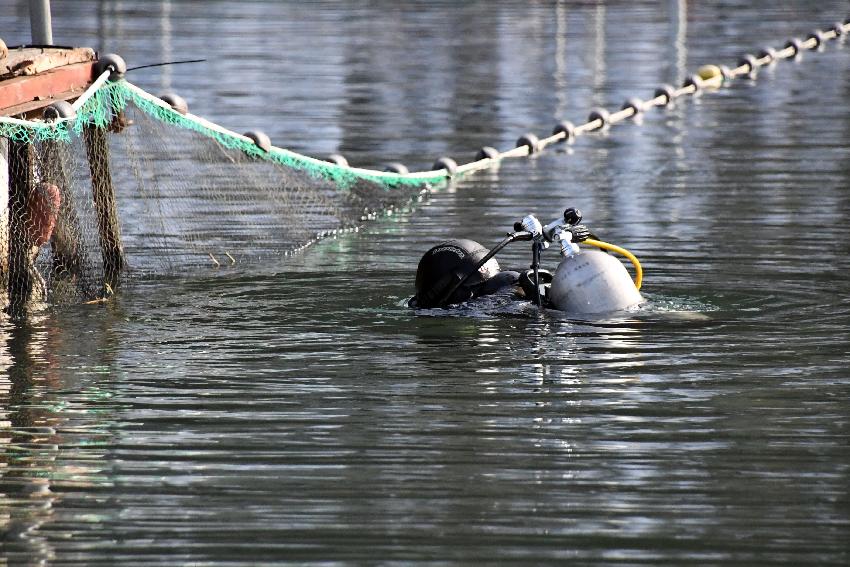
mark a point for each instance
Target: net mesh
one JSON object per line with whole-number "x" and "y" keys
{"x": 130, "y": 187}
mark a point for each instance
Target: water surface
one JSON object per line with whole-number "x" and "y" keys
{"x": 297, "y": 412}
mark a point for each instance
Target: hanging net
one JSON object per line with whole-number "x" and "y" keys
{"x": 129, "y": 186}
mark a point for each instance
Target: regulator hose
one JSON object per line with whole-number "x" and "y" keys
{"x": 622, "y": 251}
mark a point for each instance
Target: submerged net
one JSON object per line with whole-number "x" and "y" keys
{"x": 130, "y": 186}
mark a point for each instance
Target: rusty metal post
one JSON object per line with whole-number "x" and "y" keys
{"x": 103, "y": 193}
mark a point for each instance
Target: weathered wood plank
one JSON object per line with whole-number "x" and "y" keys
{"x": 23, "y": 94}
{"x": 27, "y": 61}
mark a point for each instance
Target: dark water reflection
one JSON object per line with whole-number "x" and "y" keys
{"x": 299, "y": 412}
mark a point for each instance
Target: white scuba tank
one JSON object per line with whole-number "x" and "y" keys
{"x": 592, "y": 281}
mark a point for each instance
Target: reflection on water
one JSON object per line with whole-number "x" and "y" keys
{"x": 298, "y": 412}
{"x": 28, "y": 442}
{"x": 52, "y": 441}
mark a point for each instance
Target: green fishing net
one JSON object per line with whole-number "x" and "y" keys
{"x": 131, "y": 187}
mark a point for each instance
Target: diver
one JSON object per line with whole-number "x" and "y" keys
{"x": 586, "y": 281}
{"x": 452, "y": 272}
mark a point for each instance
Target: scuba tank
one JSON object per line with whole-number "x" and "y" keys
{"x": 592, "y": 281}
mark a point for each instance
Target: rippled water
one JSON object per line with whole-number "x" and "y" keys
{"x": 298, "y": 412}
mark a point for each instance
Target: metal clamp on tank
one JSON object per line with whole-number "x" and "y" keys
{"x": 565, "y": 238}
{"x": 567, "y": 232}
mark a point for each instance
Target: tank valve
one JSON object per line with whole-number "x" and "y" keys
{"x": 568, "y": 247}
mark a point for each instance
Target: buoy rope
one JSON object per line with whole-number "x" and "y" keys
{"x": 622, "y": 251}
{"x": 93, "y": 88}
{"x": 664, "y": 96}
{"x": 102, "y": 91}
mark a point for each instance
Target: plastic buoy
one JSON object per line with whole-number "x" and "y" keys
{"x": 838, "y": 28}
{"x": 709, "y": 72}
{"x": 816, "y": 35}
{"x": 668, "y": 92}
{"x": 599, "y": 114}
{"x": 59, "y": 109}
{"x": 693, "y": 81}
{"x": 112, "y": 63}
{"x": 635, "y": 104}
{"x": 796, "y": 44}
{"x": 446, "y": 163}
{"x": 726, "y": 72}
{"x": 396, "y": 167}
{"x": 338, "y": 159}
{"x": 750, "y": 62}
{"x": 768, "y": 52}
{"x": 567, "y": 129}
{"x": 260, "y": 139}
{"x": 530, "y": 140}
{"x": 176, "y": 102}
{"x": 487, "y": 152}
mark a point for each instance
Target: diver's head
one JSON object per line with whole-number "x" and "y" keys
{"x": 448, "y": 263}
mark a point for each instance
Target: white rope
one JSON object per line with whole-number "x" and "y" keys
{"x": 95, "y": 86}
{"x": 522, "y": 150}
{"x": 283, "y": 151}
{"x": 18, "y": 121}
{"x": 81, "y": 100}
{"x": 203, "y": 122}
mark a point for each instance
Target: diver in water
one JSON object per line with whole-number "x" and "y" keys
{"x": 586, "y": 281}
{"x": 447, "y": 275}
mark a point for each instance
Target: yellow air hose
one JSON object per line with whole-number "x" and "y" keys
{"x": 614, "y": 248}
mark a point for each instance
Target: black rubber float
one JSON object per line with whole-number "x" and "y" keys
{"x": 396, "y": 167}
{"x": 529, "y": 140}
{"x": 567, "y": 128}
{"x": 601, "y": 115}
{"x": 260, "y": 139}
{"x": 338, "y": 160}
{"x": 446, "y": 163}
{"x": 666, "y": 91}
{"x": 113, "y": 63}
{"x": 176, "y": 102}
{"x": 59, "y": 109}
{"x": 487, "y": 152}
